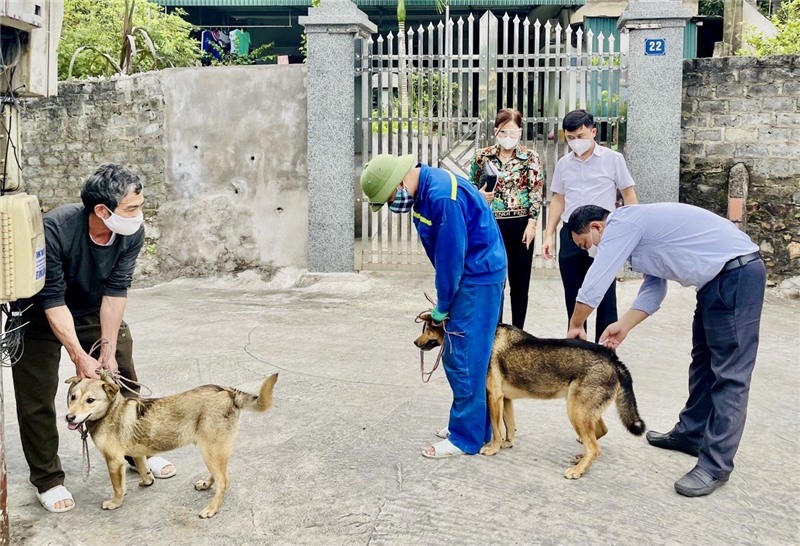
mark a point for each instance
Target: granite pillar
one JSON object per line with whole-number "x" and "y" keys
{"x": 655, "y": 77}
{"x": 331, "y": 30}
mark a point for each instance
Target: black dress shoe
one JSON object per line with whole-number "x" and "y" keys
{"x": 667, "y": 441}
{"x": 697, "y": 483}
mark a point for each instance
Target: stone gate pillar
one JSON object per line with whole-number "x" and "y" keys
{"x": 331, "y": 30}
{"x": 655, "y": 79}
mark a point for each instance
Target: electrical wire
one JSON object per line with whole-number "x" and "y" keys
{"x": 9, "y": 100}
{"x": 12, "y": 342}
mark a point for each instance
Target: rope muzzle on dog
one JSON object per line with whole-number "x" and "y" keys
{"x": 426, "y": 376}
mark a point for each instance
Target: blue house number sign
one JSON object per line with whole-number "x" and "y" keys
{"x": 655, "y": 46}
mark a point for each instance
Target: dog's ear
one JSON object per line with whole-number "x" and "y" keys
{"x": 73, "y": 381}
{"x": 111, "y": 389}
{"x": 425, "y": 316}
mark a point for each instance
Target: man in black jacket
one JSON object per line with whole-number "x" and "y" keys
{"x": 91, "y": 253}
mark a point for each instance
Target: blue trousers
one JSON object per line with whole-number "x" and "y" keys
{"x": 724, "y": 345}
{"x": 474, "y": 314}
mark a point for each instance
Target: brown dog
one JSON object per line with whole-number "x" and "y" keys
{"x": 140, "y": 427}
{"x": 589, "y": 376}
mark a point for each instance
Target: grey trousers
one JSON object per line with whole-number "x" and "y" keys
{"x": 724, "y": 346}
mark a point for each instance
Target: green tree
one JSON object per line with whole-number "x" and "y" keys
{"x": 785, "y": 42}
{"x": 123, "y": 36}
{"x": 715, "y": 8}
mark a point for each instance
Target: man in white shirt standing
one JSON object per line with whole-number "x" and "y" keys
{"x": 589, "y": 175}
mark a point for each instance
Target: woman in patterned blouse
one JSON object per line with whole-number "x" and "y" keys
{"x": 516, "y": 201}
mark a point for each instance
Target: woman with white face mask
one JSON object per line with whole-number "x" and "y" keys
{"x": 515, "y": 200}
{"x": 589, "y": 174}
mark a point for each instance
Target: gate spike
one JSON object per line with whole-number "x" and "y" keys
{"x": 526, "y": 22}
{"x": 506, "y": 17}
{"x": 471, "y": 18}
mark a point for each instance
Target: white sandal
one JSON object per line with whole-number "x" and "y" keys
{"x": 156, "y": 465}
{"x": 53, "y": 495}
{"x": 443, "y": 450}
{"x": 443, "y": 433}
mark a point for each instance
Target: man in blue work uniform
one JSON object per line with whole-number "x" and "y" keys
{"x": 673, "y": 241}
{"x": 463, "y": 242}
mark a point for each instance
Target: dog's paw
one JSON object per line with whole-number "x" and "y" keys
{"x": 202, "y": 485}
{"x": 572, "y": 473}
{"x": 489, "y": 450}
{"x": 207, "y": 512}
{"x": 506, "y": 444}
{"x": 148, "y": 481}
{"x": 111, "y": 505}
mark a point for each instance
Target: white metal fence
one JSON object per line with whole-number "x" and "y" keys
{"x": 458, "y": 75}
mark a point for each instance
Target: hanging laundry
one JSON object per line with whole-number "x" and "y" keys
{"x": 240, "y": 42}
{"x": 207, "y": 40}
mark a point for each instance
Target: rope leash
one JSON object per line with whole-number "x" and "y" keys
{"x": 123, "y": 382}
{"x": 86, "y": 463}
{"x": 426, "y": 376}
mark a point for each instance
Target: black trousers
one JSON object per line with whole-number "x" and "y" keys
{"x": 724, "y": 345}
{"x": 520, "y": 260}
{"x": 35, "y": 387}
{"x": 573, "y": 263}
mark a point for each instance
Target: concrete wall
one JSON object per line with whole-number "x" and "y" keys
{"x": 221, "y": 151}
{"x": 747, "y": 110}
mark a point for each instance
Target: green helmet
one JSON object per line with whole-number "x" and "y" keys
{"x": 382, "y": 175}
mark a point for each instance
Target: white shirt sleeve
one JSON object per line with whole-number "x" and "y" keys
{"x": 651, "y": 294}
{"x": 623, "y": 175}
{"x": 557, "y": 184}
{"x": 619, "y": 240}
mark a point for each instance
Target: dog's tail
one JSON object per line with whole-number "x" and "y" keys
{"x": 626, "y": 400}
{"x": 262, "y": 402}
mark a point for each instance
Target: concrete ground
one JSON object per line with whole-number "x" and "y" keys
{"x": 337, "y": 460}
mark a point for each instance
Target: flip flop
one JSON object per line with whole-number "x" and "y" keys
{"x": 53, "y": 495}
{"x": 156, "y": 465}
{"x": 443, "y": 450}
{"x": 443, "y": 433}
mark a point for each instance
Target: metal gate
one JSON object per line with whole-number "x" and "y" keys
{"x": 458, "y": 75}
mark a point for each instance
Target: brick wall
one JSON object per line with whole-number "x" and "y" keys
{"x": 747, "y": 110}
{"x": 89, "y": 123}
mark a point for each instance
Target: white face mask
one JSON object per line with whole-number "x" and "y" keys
{"x": 592, "y": 250}
{"x": 122, "y": 225}
{"x": 507, "y": 143}
{"x": 580, "y": 145}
